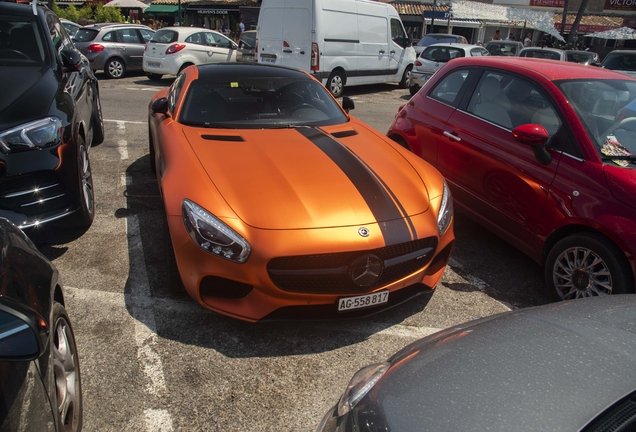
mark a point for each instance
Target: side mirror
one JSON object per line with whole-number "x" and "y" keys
{"x": 347, "y": 104}
{"x": 160, "y": 106}
{"x": 536, "y": 136}
{"x": 410, "y": 41}
{"x": 71, "y": 60}
{"x": 23, "y": 333}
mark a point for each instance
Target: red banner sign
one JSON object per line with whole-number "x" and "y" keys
{"x": 582, "y": 28}
{"x": 548, "y": 3}
{"x": 620, "y": 5}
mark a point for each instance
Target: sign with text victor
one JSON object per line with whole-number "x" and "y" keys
{"x": 620, "y": 5}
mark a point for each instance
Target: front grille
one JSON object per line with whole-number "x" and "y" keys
{"x": 34, "y": 194}
{"x": 331, "y": 273}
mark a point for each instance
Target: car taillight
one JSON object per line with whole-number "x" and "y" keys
{"x": 95, "y": 48}
{"x": 145, "y": 46}
{"x": 418, "y": 63}
{"x": 256, "y": 50}
{"x": 174, "y": 48}
{"x": 315, "y": 59}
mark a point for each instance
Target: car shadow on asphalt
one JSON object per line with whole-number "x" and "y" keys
{"x": 179, "y": 318}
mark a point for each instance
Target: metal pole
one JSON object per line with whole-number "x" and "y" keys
{"x": 180, "y": 23}
{"x": 433, "y": 17}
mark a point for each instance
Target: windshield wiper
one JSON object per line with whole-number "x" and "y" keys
{"x": 625, "y": 157}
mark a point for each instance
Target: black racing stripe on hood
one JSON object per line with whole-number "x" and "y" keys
{"x": 394, "y": 229}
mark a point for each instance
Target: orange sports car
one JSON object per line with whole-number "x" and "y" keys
{"x": 280, "y": 205}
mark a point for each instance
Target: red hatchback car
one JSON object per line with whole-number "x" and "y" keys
{"x": 541, "y": 152}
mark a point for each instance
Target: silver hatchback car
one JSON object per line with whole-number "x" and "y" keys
{"x": 113, "y": 48}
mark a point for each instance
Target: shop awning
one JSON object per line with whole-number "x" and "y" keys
{"x": 162, "y": 9}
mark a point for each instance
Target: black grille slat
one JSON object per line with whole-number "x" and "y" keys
{"x": 20, "y": 196}
{"x": 281, "y": 270}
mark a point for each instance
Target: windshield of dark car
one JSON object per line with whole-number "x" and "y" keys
{"x": 442, "y": 53}
{"x": 21, "y": 43}
{"x": 259, "y": 102}
{"x": 248, "y": 40}
{"x": 502, "y": 48}
{"x": 165, "y": 36}
{"x": 580, "y": 56}
{"x": 620, "y": 61}
{"x": 607, "y": 109}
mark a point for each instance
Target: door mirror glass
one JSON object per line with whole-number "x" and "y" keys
{"x": 71, "y": 60}
{"x": 160, "y": 106}
{"x": 347, "y": 104}
{"x": 18, "y": 340}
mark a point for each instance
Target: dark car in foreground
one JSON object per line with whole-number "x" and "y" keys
{"x": 50, "y": 115}
{"x": 559, "y": 367}
{"x": 543, "y": 156}
{"x": 40, "y": 385}
{"x": 246, "y": 47}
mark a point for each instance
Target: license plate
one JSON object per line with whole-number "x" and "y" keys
{"x": 153, "y": 64}
{"x": 248, "y": 58}
{"x": 268, "y": 60}
{"x": 363, "y": 301}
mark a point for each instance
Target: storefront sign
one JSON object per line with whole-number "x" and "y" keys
{"x": 548, "y": 3}
{"x": 620, "y": 5}
{"x": 212, "y": 12}
{"x": 582, "y": 28}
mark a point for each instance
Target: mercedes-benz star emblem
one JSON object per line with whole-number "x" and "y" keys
{"x": 364, "y": 232}
{"x": 366, "y": 270}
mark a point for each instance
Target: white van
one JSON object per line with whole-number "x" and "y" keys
{"x": 342, "y": 42}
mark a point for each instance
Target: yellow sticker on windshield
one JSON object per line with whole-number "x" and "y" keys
{"x": 233, "y": 84}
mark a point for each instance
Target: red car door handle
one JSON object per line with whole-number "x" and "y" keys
{"x": 452, "y": 136}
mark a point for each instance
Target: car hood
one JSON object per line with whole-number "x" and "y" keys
{"x": 536, "y": 369}
{"x": 622, "y": 183}
{"x": 27, "y": 94}
{"x": 300, "y": 178}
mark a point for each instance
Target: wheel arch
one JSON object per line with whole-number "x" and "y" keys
{"x": 341, "y": 70}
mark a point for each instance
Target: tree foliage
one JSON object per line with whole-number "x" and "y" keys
{"x": 88, "y": 14}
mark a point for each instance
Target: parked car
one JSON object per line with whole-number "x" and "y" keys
{"x": 435, "y": 56}
{"x": 113, "y": 48}
{"x": 281, "y": 205}
{"x": 40, "y": 384}
{"x": 173, "y": 49}
{"x": 70, "y": 26}
{"x": 538, "y": 155}
{"x": 544, "y": 53}
{"x": 504, "y": 48}
{"x": 435, "y": 38}
{"x": 623, "y": 61}
{"x": 542, "y": 368}
{"x": 50, "y": 115}
{"x": 583, "y": 57}
{"x": 246, "y": 47}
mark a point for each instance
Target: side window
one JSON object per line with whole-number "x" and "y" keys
{"x": 397, "y": 32}
{"x": 220, "y": 40}
{"x": 490, "y": 102}
{"x": 58, "y": 35}
{"x": 175, "y": 91}
{"x": 146, "y": 35}
{"x": 128, "y": 36}
{"x": 448, "y": 89}
{"x": 197, "y": 38}
{"x": 109, "y": 37}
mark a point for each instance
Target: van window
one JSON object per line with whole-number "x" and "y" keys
{"x": 397, "y": 33}
{"x": 372, "y": 29}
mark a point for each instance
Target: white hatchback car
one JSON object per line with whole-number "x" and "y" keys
{"x": 435, "y": 56}
{"x": 172, "y": 49}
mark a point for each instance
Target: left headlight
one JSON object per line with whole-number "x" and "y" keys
{"x": 37, "y": 134}
{"x": 361, "y": 384}
{"x": 445, "y": 214}
{"x": 212, "y": 235}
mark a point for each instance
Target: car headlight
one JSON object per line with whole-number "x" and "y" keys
{"x": 37, "y": 134}
{"x": 212, "y": 235}
{"x": 361, "y": 384}
{"x": 445, "y": 214}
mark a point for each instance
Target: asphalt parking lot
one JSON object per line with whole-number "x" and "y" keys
{"x": 154, "y": 360}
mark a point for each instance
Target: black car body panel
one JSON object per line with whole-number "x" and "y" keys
{"x": 44, "y": 183}
{"x": 29, "y": 284}
{"x": 556, "y": 367}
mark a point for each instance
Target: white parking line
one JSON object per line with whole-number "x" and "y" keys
{"x": 125, "y": 121}
{"x": 154, "y": 89}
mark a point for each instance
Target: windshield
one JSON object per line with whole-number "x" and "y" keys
{"x": 20, "y": 42}
{"x": 620, "y": 61}
{"x": 580, "y": 57}
{"x": 256, "y": 102}
{"x": 248, "y": 40}
{"x": 607, "y": 108}
{"x": 544, "y": 54}
{"x": 502, "y": 48}
{"x": 85, "y": 35}
{"x": 442, "y": 53}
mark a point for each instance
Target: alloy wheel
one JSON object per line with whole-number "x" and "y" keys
{"x": 66, "y": 376}
{"x": 580, "y": 272}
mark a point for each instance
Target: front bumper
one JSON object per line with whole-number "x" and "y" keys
{"x": 161, "y": 66}
{"x": 248, "y": 292}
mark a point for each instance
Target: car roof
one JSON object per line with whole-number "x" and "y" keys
{"x": 622, "y": 52}
{"x": 454, "y": 45}
{"x": 19, "y": 8}
{"x": 237, "y": 70}
{"x": 543, "y": 49}
{"x": 533, "y": 66}
{"x": 100, "y": 26}
{"x": 504, "y": 42}
{"x": 189, "y": 30}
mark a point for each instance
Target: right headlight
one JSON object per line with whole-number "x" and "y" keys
{"x": 445, "y": 214}
{"x": 37, "y": 134}
{"x": 212, "y": 235}
{"x": 361, "y": 384}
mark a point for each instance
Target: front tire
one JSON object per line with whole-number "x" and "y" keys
{"x": 154, "y": 76}
{"x": 66, "y": 371}
{"x": 97, "y": 121}
{"x": 115, "y": 68}
{"x": 83, "y": 217}
{"x": 413, "y": 90}
{"x": 336, "y": 83}
{"x": 586, "y": 265}
{"x": 406, "y": 77}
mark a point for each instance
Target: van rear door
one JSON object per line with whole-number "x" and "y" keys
{"x": 284, "y": 33}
